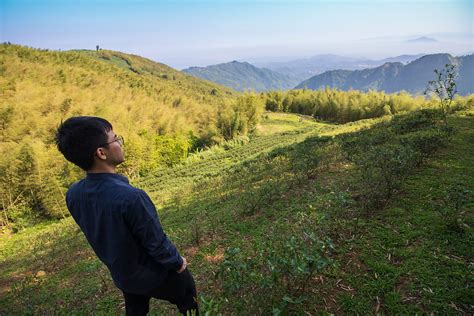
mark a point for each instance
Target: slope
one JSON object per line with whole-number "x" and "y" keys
{"x": 251, "y": 231}
{"x": 162, "y": 113}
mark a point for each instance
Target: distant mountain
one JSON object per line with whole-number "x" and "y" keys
{"x": 401, "y": 59}
{"x": 243, "y": 76}
{"x": 306, "y": 68}
{"x": 422, "y": 39}
{"x": 466, "y": 73}
{"x": 393, "y": 77}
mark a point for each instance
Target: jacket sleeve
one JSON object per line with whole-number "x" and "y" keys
{"x": 145, "y": 225}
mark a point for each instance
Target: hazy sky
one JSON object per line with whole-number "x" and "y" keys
{"x": 185, "y": 33}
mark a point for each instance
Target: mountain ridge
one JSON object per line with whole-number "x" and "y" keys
{"x": 393, "y": 77}
{"x": 305, "y": 68}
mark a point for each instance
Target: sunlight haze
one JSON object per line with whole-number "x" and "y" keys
{"x": 198, "y": 33}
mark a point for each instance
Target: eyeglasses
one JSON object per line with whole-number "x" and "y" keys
{"x": 119, "y": 139}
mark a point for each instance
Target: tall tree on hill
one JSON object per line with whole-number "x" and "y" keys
{"x": 444, "y": 87}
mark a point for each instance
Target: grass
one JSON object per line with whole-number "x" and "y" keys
{"x": 400, "y": 260}
{"x": 274, "y": 122}
{"x": 412, "y": 262}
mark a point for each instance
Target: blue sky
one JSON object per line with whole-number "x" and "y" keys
{"x": 185, "y": 33}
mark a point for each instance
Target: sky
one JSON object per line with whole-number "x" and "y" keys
{"x": 199, "y": 33}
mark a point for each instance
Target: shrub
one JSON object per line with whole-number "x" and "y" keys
{"x": 451, "y": 209}
{"x": 261, "y": 196}
{"x": 361, "y": 141}
{"x": 414, "y": 121}
{"x": 381, "y": 169}
{"x": 275, "y": 277}
{"x": 306, "y": 157}
{"x": 425, "y": 142}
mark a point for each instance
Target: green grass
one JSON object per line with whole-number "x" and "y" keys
{"x": 400, "y": 260}
{"x": 275, "y": 122}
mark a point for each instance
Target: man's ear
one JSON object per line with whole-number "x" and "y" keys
{"x": 100, "y": 153}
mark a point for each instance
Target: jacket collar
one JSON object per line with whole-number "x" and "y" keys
{"x": 106, "y": 176}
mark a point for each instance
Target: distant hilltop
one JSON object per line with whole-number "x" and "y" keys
{"x": 422, "y": 39}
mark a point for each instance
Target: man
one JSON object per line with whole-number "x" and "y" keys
{"x": 120, "y": 221}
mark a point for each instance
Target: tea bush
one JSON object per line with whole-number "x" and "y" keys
{"x": 274, "y": 277}
{"x": 424, "y": 142}
{"x": 456, "y": 198}
{"x": 380, "y": 172}
{"x": 384, "y": 154}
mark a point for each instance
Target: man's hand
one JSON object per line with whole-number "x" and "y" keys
{"x": 183, "y": 267}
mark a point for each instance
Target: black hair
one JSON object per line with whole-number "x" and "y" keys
{"x": 78, "y": 138}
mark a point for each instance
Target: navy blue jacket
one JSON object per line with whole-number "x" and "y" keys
{"x": 121, "y": 224}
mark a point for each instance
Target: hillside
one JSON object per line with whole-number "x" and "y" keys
{"x": 143, "y": 66}
{"x": 58, "y": 84}
{"x": 285, "y": 230}
{"x": 243, "y": 76}
{"x": 394, "y": 77}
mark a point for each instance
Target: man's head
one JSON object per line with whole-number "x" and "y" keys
{"x": 88, "y": 142}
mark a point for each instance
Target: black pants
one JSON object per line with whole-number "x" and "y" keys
{"x": 178, "y": 288}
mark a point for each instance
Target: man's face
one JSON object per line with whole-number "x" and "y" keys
{"x": 114, "y": 151}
